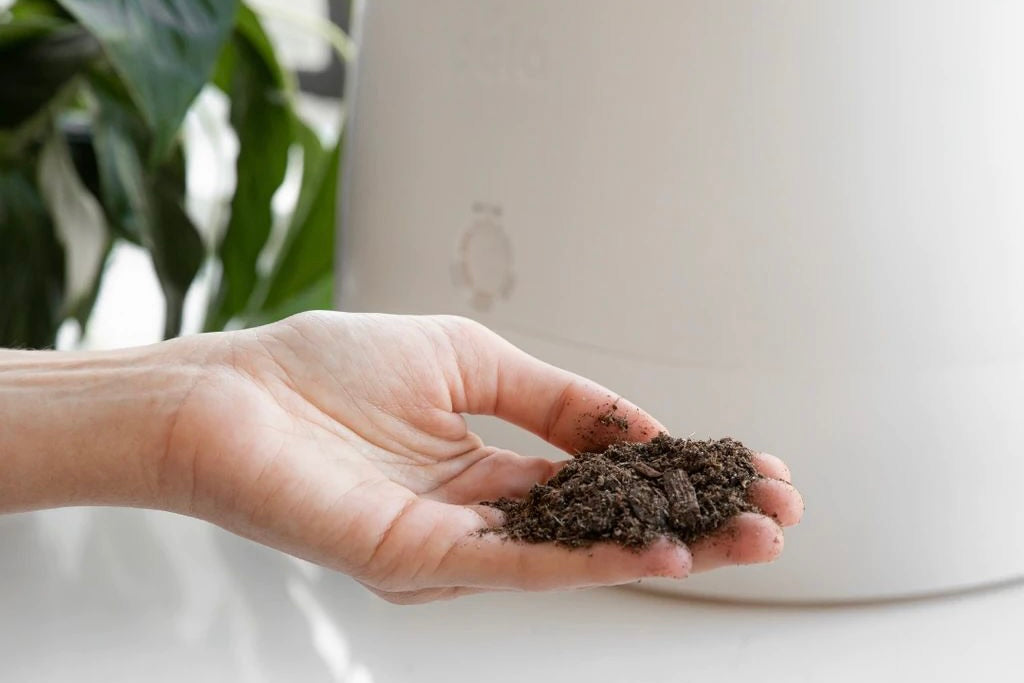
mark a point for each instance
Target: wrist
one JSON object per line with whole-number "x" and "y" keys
{"x": 89, "y": 428}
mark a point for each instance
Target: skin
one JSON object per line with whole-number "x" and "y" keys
{"x": 340, "y": 438}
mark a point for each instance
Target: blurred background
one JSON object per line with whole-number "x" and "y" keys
{"x": 130, "y": 282}
{"x": 146, "y": 219}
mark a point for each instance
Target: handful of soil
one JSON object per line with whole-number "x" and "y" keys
{"x": 633, "y": 493}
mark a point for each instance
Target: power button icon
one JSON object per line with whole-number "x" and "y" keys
{"x": 483, "y": 259}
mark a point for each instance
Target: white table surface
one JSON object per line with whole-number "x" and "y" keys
{"x": 125, "y": 595}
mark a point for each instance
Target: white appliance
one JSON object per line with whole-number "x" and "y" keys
{"x": 799, "y": 223}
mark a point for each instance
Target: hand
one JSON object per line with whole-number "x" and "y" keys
{"x": 339, "y": 438}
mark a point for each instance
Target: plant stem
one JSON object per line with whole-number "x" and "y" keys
{"x": 173, "y": 314}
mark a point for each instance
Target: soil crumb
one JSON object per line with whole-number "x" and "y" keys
{"x": 633, "y": 493}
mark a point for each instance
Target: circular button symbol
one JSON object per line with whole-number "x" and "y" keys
{"x": 484, "y": 263}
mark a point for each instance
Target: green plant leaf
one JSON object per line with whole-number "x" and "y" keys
{"x": 264, "y": 123}
{"x": 37, "y": 59}
{"x": 38, "y": 9}
{"x": 148, "y": 202}
{"x": 175, "y": 244}
{"x": 117, "y": 140}
{"x": 249, "y": 30}
{"x": 31, "y": 17}
{"x": 80, "y": 226}
{"x": 31, "y": 264}
{"x": 79, "y": 138}
{"x": 27, "y": 28}
{"x": 307, "y": 256}
{"x": 165, "y": 51}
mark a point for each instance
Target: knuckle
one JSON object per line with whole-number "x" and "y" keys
{"x": 306, "y": 319}
{"x": 463, "y": 329}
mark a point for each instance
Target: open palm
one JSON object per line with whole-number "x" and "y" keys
{"x": 340, "y": 438}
